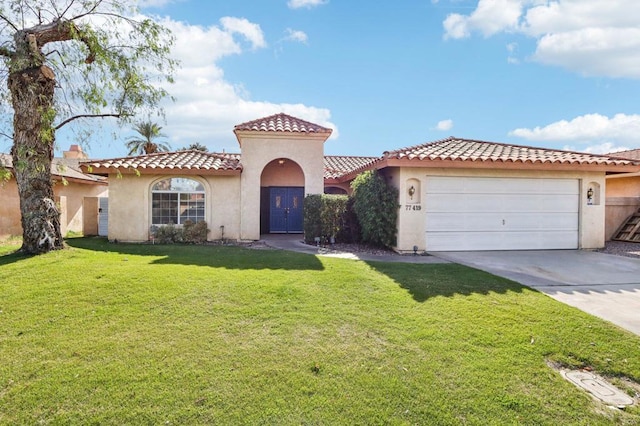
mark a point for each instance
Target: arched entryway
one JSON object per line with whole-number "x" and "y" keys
{"x": 281, "y": 197}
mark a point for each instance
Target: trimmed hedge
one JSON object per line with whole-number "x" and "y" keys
{"x": 375, "y": 203}
{"x": 324, "y": 217}
{"x": 190, "y": 233}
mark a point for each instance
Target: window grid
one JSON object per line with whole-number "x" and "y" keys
{"x": 175, "y": 206}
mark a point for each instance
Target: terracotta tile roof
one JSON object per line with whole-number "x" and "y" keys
{"x": 336, "y": 166}
{"x": 632, "y": 154}
{"x": 60, "y": 167}
{"x": 281, "y": 123}
{"x": 181, "y": 160}
{"x": 473, "y": 151}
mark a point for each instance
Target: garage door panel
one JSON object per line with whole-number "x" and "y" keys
{"x": 464, "y": 213}
{"x": 534, "y": 240}
{"x": 481, "y": 222}
{"x": 502, "y": 203}
{"x": 457, "y": 185}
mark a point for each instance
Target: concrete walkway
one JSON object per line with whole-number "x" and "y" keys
{"x": 600, "y": 284}
{"x": 293, "y": 242}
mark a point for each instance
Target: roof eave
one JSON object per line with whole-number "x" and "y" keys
{"x": 510, "y": 165}
{"x": 105, "y": 171}
{"x": 255, "y": 134}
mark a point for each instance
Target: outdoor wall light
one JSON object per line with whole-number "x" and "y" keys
{"x": 589, "y": 193}
{"x": 411, "y": 191}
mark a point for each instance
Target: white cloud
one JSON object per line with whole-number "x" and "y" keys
{"x": 490, "y": 17}
{"x": 207, "y": 105}
{"x": 249, "y": 30}
{"x": 593, "y": 132}
{"x": 296, "y": 35}
{"x": 591, "y": 37}
{"x": 297, "y": 4}
{"x": 512, "y": 48}
{"x": 603, "y": 148}
{"x": 154, "y": 3}
{"x": 444, "y": 125}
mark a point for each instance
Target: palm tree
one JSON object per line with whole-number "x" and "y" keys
{"x": 196, "y": 146}
{"x": 147, "y": 144}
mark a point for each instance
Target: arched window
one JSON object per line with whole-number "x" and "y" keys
{"x": 176, "y": 200}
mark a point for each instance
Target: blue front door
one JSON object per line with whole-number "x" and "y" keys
{"x": 285, "y": 212}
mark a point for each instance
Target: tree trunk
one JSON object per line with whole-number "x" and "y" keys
{"x": 32, "y": 93}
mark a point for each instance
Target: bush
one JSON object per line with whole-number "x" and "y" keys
{"x": 324, "y": 217}
{"x": 190, "y": 233}
{"x": 350, "y": 232}
{"x": 312, "y": 223}
{"x": 195, "y": 233}
{"x": 332, "y": 215}
{"x": 375, "y": 204}
{"x": 168, "y": 234}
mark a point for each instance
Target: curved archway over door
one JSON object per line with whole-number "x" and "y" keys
{"x": 282, "y": 197}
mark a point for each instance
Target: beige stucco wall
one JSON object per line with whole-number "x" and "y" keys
{"x": 75, "y": 194}
{"x": 288, "y": 173}
{"x": 412, "y": 214}
{"x": 130, "y": 205}
{"x": 258, "y": 150}
{"x": 69, "y": 196}
{"x": 9, "y": 210}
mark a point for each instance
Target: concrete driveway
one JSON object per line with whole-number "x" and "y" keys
{"x": 603, "y": 285}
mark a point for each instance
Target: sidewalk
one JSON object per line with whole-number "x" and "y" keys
{"x": 294, "y": 242}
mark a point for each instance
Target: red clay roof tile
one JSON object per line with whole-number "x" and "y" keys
{"x": 60, "y": 167}
{"x": 632, "y": 154}
{"x": 181, "y": 160}
{"x": 455, "y": 149}
{"x": 282, "y": 123}
{"x": 336, "y": 166}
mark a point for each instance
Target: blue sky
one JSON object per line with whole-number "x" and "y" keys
{"x": 561, "y": 74}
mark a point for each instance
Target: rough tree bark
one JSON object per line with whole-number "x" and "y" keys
{"x": 32, "y": 86}
{"x": 32, "y": 90}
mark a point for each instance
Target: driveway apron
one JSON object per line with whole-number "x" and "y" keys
{"x": 603, "y": 285}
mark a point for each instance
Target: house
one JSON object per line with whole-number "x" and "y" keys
{"x": 455, "y": 194}
{"x": 76, "y": 193}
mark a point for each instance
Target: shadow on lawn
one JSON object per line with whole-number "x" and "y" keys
{"x": 12, "y": 257}
{"x": 215, "y": 256}
{"x": 449, "y": 279}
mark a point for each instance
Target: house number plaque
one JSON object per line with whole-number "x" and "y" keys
{"x": 413, "y": 207}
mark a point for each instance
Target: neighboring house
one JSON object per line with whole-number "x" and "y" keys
{"x": 74, "y": 192}
{"x": 455, "y": 194}
{"x": 622, "y": 194}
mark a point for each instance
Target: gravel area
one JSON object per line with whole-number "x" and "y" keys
{"x": 621, "y": 248}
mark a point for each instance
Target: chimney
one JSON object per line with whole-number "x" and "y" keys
{"x": 74, "y": 152}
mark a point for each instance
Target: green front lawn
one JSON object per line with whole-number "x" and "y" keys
{"x": 135, "y": 334}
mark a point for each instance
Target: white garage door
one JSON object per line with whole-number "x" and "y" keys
{"x": 465, "y": 213}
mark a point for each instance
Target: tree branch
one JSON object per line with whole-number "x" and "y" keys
{"x": 4, "y": 18}
{"x": 6, "y": 136}
{"x": 75, "y": 117}
{"x": 60, "y": 30}
{"x": 6, "y": 52}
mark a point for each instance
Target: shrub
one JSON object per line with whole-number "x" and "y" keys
{"x": 350, "y": 232}
{"x": 168, "y": 234}
{"x": 324, "y": 217}
{"x": 375, "y": 204}
{"x": 332, "y": 215}
{"x": 312, "y": 211}
{"x": 195, "y": 233}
